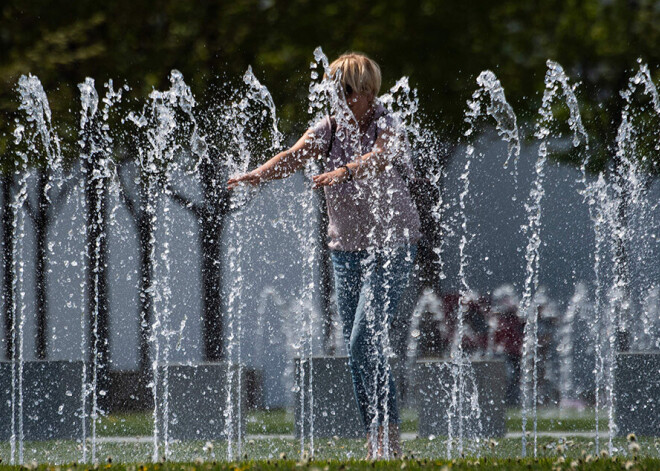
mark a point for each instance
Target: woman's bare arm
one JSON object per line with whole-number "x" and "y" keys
{"x": 388, "y": 147}
{"x": 283, "y": 164}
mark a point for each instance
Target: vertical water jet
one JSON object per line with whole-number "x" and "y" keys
{"x": 556, "y": 81}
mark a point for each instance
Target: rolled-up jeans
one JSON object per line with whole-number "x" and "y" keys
{"x": 369, "y": 285}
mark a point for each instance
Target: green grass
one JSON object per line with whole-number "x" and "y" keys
{"x": 553, "y": 420}
{"x": 135, "y": 424}
{"x": 409, "y": 464}
{"x": 280, "y": 422}
{"x": 270, "y": 422}
{"x": 259, "y": 422}
{"x": 412, "y": 465}
{"x": 62, "y": 452}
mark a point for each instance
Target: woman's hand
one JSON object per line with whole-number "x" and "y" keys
{"x": 338, "y": 175}
{"x": 253, "y": 178}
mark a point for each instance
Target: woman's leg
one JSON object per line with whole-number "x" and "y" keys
{"x": 368, "y": 289}
{"x": 347, "y": 269}
{"x": 385, "y": 280}
{"x": 397, "y": 267}
{"x": 393, "y": 271}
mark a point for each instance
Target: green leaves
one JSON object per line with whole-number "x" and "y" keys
{"x": 442, "y": 45}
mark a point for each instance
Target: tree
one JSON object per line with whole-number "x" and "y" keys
{"x": 42, "y": 215}
{"x": 211, "y": 216}
{"x": 39, "y": 146}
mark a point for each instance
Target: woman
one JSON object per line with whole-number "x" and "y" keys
{"x": 373, "y": 230}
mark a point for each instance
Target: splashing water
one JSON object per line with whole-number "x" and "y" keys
{"x": 168, "y": 128}
{"x": 95, "y": 143}
{"x": 428, "y": 302}
{"x": 499, "y": 109}
{"x": 612, "y": 204}
{"x": 506, "y": 123}
{"x": 597, "y": 196}
{"x": 567, "y": 340}
{"x": 649, "y": 337}
{"x": 34, "y": 134}
{"x": 556, "y": 80}
{"x": 18, "y": 314}
{"x": 630, "y": 183}
{"x": 160, "y": 126}
{"x": 260, "y": 93}
{"x": 326, "y": 98}
{"x": 240, "y": 113}
{"x": 34, "y": 103}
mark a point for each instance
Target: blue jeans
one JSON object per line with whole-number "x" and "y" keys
{"x": 369, "y": 285}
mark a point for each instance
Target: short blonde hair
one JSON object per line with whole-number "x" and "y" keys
{"x": 359, "y": 72}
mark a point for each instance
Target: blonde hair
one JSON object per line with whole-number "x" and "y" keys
{"x": 359, "y": 72}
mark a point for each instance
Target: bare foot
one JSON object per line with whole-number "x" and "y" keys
{"x": 394, "y": 440}
{"x": 381, "y": 445}
{"x": 393, "y": 445}
{"x": 370, "y": 448}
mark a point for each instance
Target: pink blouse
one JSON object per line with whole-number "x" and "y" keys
{"x": 376, "y": 211}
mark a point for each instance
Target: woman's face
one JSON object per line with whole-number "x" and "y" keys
{"x": 358, "y": 103}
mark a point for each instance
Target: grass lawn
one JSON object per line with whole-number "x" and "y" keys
{"x": 333, "y": 465}
{"x": 277, "y": 451}
{"x": 408, "y": 464}
{"x": 280, "y": 422}
{"x": 553, "y": 420}
{"x": 264, "y": 449}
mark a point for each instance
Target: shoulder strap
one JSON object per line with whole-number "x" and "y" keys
{"x": 333, "y": 130}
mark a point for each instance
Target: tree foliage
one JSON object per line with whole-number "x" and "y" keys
{"x": 442, "y": 45}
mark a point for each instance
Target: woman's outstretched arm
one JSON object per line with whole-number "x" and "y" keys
{"x": 283, "y": 164}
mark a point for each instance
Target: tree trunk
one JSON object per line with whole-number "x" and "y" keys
{"x": 41, "y": 223}
{"x": 622, "y": 270}
{"x": 144, "y": 226}
{"x": 211, "y": 215}
{"x": 210, "y": 237}
{"x": 8, "y": 263}
{"x": 145, "y": 234}
{"x": 97, "y": 250}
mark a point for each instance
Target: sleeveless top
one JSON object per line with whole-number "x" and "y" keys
{"x": 376, "y": 211}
